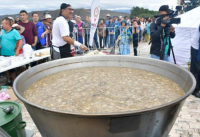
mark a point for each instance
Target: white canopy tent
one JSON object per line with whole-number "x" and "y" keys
{"x": 184, "y": 34}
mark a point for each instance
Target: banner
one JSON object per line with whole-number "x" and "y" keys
{"x": 95, "y": 12}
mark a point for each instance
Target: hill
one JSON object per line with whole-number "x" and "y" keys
{"x": 123, "y": 11}
{"x": 80, "y": 12}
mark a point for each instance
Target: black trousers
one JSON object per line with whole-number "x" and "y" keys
{"x": 102, "y": 39}
{"x": 87, "y": 38}
{"x": 65, "y": 52}
{"x": 38, "y": 46}
{"x": 195, "y": 68}
{"x": 135, "y": 46}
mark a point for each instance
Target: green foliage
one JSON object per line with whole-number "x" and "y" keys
{"x": 141, "y": 12}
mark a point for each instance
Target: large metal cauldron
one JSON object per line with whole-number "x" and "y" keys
{"x": 154, "y": 122}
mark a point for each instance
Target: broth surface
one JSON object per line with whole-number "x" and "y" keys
{"x": 103, "y": 90}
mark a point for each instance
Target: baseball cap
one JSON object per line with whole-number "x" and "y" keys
{"x": 12, "y": 18}
{"x": 48, "y": 16}
{"x": 108, "y": 15}
{"x": 64, "y": 6}
{"x": 165, "y": 8}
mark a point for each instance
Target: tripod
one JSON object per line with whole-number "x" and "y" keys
{"x": 173, "y": 54}
{"x": 167, "y": 35}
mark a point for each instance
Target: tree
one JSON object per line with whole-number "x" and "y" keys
{"x": 141, "y": 12}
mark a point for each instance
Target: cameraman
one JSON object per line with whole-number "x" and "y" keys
{"x": 161, "y": 32}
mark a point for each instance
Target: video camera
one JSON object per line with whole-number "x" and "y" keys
{"x": 171, "y": 15}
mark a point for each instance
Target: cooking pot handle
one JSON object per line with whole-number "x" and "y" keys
{"x": 21, "y": 125}
{"x": 124, "y": 124}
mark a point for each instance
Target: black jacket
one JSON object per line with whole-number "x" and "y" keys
{"x": 156, "y": 37}
{"x": 71, "y": 28}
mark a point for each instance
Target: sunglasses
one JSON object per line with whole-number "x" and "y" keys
{"x": 70, "y": 9}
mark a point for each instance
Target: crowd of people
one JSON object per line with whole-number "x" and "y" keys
{"x": 67, "y": 31}
{"x": 15, "y": 33}
{"x": 113, "y": 29}
{"x": 38, "y": 31}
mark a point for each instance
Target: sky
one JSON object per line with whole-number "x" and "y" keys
{"x": 14, "y": 6}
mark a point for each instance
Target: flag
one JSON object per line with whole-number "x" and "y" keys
{"x": 95, "y": 12}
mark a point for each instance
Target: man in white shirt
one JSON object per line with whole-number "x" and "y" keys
{"x": 195, "y": 61}
{"x": 61, "y": 35}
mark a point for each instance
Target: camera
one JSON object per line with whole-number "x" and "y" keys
{"x": 172, "y": 14}
{"x": 171, "y": 21}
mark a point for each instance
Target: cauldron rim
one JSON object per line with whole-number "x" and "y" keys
{"x": 115, "y": 114}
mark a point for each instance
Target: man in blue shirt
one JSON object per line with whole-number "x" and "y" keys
{"x": 9, "y": 38}
{"x": 117, "y": 25}
{"x": 41, "y": 31}
{"x": 111, "y": 33}
{"x": 107, "y": 37}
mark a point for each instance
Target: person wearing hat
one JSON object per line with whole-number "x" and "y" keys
{"x": 125, "y": 35}
{"x": 160, "y": 40}
{"x": 48, "y": 25}
{"x": 48, "y": 18}
{"x": 61, "y": 42}
{"x": 44, "y": 14}
{"x": 20, "y": 29}
{"x": 12, "y": 20}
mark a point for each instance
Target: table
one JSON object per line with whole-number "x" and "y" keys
{"x": 25, "y": 61}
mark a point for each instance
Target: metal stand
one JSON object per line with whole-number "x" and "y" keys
{"x": 173, "y": 54}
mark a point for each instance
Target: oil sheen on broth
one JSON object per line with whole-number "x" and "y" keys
{"x": 103, "y": 90}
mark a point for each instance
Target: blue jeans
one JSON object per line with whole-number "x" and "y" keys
{"x": 111, "y": 40}
{"x": 117, "y": 33}
{"x": 166, "y": 57}
{"x": 80, "y": 39}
